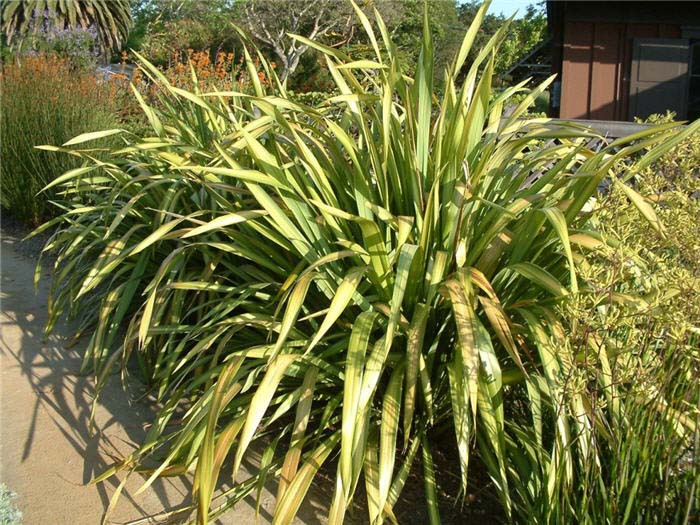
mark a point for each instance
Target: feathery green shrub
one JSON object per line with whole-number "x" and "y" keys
{"x": 639, "y": 357}
{"x": 341, "y": 282}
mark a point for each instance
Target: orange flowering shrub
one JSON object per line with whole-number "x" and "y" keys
{"x": 223, "y": 72}
{"x": 46, "y": 101}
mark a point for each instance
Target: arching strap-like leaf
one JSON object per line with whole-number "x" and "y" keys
{"x": 357, "y": 347}
{"x": 225, "y": 220}
{"x": 414, "y": 347}
{"x": 342, "y": 298}
{"x": 85, "y": 137}
{"x": 294, "y": 495}
{"x": 294, "y": 304}
{"x": 460, "y": 294}
{"x": 502, "y": 327}
{"x": 291, "y": 459}
{"x": 391, "y": 408}
{"x": 431, "y": 495}
{"x": 558, "y": 222}
{"x": 206, "y": 474}
{"x": 540, "y": 277}
{"x": 260, "y": 402}
{"x": 372, "y": 478}
{"x": 70, "y": 174}
{"x": 643, "y": 206}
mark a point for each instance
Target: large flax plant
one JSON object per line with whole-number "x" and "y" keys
{"x": 340, "y": 281}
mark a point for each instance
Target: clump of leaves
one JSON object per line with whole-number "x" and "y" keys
{"x": 657, "y": 339}
{"x": 348, "y": 276}
{"x": 638, "y": 368}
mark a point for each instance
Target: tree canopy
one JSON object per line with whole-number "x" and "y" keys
{"x": 164, "y": 27}
{"x": 524, "y": 33}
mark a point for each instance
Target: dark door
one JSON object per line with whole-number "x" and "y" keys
{"x": 659, "y": 79}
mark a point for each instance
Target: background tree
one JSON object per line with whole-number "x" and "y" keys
{"x": 524, "y": 33}
{"x": 270, "y": 21}
{"x": 466, "y": 13}
{"x": 164, "y": 26}
{"x": 404, "y": 19}
{"x": 21, "y": 19}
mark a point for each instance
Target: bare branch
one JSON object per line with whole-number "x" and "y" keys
{"x": 270, "y": 21}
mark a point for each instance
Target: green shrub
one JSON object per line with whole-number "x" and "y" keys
{"x": 310, "y": 98}
{"x": 45, "y": 101}
{"x": 538, "y": 109}
{"x": 637, "y": 337}
{"x": 341, "y": 282}
{"x": 657, "y": 260}
{"x": 643, "y": 465}
{"x": 9, "y": 515}
{"x": 654, "y": 463}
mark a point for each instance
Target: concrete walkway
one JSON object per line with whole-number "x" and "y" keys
{"x": 48, "y": 456}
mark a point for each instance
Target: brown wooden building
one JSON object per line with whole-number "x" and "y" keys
{"x": 617, "y": 60}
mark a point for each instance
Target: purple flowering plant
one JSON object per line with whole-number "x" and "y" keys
{"x": 80, "y": 46}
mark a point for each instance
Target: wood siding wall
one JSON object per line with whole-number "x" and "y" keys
{"x": 596, "y": 63}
